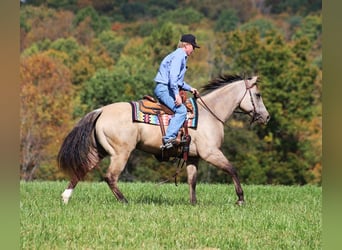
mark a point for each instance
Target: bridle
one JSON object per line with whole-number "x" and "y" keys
{"x": 255, "y": 116}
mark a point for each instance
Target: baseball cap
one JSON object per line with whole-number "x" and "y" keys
{"x": 189, "y": 38}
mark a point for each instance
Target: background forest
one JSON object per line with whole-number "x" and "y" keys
{"x": 77, "y": 55}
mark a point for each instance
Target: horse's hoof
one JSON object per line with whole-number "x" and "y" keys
{"x": 123, "y": 201}
{"x": 193, "y": 202}
{"x": 240, "y": 202}
{"x": 66, "y": 195}
{"x": 65, "y": 200}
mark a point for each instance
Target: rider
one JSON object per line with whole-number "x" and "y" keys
{"x": 170, "y": 79}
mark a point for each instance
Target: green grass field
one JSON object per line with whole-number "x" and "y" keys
{"x": 160, "y": 217}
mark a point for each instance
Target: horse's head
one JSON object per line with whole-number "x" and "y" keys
{"x": 252, "y": 102}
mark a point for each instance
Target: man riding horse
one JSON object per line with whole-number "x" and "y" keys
{"x": 170, "y": 79}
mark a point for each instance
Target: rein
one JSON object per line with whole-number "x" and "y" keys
{"x": 248, "y": 88}
{"x": 207, "y": 108}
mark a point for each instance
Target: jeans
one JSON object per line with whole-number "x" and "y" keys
{"x": 166, "y": 97}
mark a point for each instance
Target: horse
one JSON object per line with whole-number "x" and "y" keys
{"x": 110, "y": 132}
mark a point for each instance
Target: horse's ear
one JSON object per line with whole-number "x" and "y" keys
{"x": 254, "y": 79}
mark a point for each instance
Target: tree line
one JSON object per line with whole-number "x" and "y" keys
{"x": 82, "y": 54}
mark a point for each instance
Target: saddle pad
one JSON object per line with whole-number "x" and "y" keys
{"x": 139, "y": 116}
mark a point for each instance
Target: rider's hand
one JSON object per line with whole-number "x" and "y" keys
{"x": 194, "y": 91}
{"x": 178, "y": 100}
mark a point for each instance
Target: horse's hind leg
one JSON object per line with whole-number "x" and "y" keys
{"x": 117, "y": 165}
{"x": 68, "y": 191}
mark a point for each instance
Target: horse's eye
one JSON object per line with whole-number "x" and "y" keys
{"x": 258, "y": 95}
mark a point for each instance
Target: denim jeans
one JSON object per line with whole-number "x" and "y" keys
{"x": 166, "y": 96}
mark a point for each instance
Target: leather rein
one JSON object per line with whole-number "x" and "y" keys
{"x": 255, "y": 115}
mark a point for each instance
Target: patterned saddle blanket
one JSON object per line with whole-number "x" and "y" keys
{"x": 148, "y": 109}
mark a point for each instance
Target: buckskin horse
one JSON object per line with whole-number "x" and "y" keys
{"x": 111, "y": 131}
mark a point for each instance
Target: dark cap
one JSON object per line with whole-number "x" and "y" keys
{"x": 188, "y": 38}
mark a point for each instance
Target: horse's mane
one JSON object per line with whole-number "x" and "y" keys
{"x": 219, "y": 82}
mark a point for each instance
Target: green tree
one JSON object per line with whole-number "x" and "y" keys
{"x": 288, "y": 84}
{"x": 163, "y": 40}
{"x": 262, "y": 25}
{"x": 294, "y": 6}
{"x": 82, "y": 60}
{"x": 98, "y": 23}
{"x": 311, "y": 27}
{"x": 131, "y": 78}
{"x": 112, "y": 42}
{"x": 184, "y": 16}
{"x": 227, "y": 21}
{"x": 133, "y": 10}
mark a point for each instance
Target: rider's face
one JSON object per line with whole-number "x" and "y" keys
{"x": 189, "y": 49}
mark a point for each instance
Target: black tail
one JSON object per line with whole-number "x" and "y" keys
{"x": 78, "y": 153}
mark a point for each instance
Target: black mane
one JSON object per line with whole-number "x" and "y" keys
{"x": 220, "y": 81}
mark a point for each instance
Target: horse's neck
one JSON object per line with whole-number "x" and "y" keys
{"x": 225, "y": 100}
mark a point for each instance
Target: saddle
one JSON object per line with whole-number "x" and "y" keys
{"x": 149, "y": 105}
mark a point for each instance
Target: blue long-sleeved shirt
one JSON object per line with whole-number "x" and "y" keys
{"x": 172, "y": 70}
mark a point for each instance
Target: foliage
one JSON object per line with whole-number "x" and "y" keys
{"x": 46, "y": 99}
{"x": 113, "y": 43}
{"x": 163, "y": 40}
{"x": 289, "y": 89}
{"x": 262, "y": 25}
{"x": 213, "y": 8}
{"x": 97, "y": 22}
{"x": 294, "y": 6}
{"x": 133, "y": 10}
{"x": 82, "y": 61}
{"x": 227, "y": 21}
{"x": 38, "y": 23}
{"x": 311, "y": 28}
{"x": 185, "y": 16}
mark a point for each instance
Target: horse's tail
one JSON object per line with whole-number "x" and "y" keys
{"x": 79, "y": 152}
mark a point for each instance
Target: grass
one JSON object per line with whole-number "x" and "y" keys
{"x": 160, "y": 217}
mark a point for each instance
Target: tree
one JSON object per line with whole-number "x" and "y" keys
{"x": 185, "y": 16}
{"x": 294, "y": 6}
{"x": 113, "y": 43}
{"x": 163, "y": 40}
{"x": 227, "y": 21}
{"x": 262, "y": 25}
{"x": 82, "y": 60}
{"x": 97, "y": 22}
{"x": 38, "y": 23}
{"x": 131, "y": 78}
{"x": 311, "y": 27}
{"x": 45, "y": 111}
{"x": 288, "y": 87}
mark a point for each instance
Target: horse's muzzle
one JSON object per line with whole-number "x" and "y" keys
{"x": 258, "y": 118}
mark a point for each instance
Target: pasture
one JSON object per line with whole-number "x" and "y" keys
{"x": 161, "y": 217}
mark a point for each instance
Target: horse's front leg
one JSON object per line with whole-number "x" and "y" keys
{"x": 220, "y": 161}
{"x": 191, "y": 169}
{"x": 238, "y": 189}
